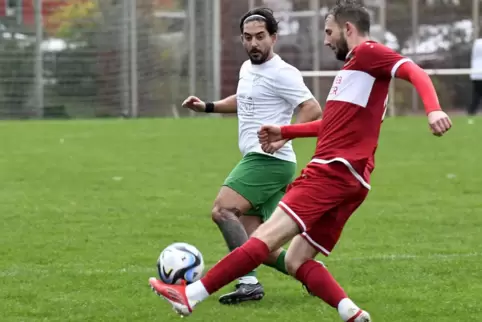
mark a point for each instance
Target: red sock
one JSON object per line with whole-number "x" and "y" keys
{"x": 320, "y": 282}
{"x": 238, "y": 263}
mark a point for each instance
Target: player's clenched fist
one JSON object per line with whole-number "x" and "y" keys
{"x": 269, "y": 134}
{"x": 439, "y": 122}
{"x": 270, "y": 138}
{"x": 194, "y": 104}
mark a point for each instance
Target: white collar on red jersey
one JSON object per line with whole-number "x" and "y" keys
{"x": 348, "y": 56}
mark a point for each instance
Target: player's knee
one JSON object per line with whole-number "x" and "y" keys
{"x": 220, "y": 214}
{"x": 292, "y": 265}
{"x": 217, "y": 215}
{"x": 294, "y": 262}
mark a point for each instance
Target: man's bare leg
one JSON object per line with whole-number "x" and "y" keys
{"x": 278, "y": 230}
{"x": 276, "y": 258}
{"x": 226, "y": 213}
{"x": 271, "y": 235}
{"x": 248, "y": 289}
{"x": 228, "y": 207}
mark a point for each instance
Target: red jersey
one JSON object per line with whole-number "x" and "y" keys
{"x": 355, "y": 109}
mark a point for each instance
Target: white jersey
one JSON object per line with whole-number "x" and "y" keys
{"x": 476, "y": 60}
{"x": 268, "y": 94}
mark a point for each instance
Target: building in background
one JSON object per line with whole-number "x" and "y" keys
{"x": 22, "y": 11}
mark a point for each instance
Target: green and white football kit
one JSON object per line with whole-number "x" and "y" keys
{"x": 267, "y": 93}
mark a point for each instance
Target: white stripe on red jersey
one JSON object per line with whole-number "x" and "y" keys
{"x": 355, "y": 108}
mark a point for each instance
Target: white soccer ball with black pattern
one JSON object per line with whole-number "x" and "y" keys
{"x": 180, "y": 262}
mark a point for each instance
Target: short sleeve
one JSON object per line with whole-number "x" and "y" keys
{"x": 291, "y": 87}
{"x": 243, "y": 68}
{"x": 379, "y": 60}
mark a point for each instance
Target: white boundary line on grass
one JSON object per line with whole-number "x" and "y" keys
{"x": 83, "y": 270}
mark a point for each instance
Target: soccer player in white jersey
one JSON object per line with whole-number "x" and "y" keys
{"x": 269, "y": 90}
{"x": 335, "y": 183}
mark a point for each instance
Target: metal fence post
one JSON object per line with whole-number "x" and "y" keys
{"x": 125, "y": 58}
{"x": 391, "y": 108}
{"x": 216, "y": 49}
{"x": 415, "y": 45}
{"x": 475, "y": 18}
{"x": 192, "y": 48}
{"x": 134, "y": 76}
{"x": 315, "y": 38}
{"x": 39, "y": 86}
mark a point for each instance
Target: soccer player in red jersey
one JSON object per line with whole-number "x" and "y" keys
{"x": 337, "y": 180}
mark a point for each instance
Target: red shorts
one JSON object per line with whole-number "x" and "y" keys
{"x": 321, "y": 201}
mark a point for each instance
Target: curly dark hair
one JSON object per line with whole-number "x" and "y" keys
{"x": 352, "y": 11}
{"x": 260, "y": 14}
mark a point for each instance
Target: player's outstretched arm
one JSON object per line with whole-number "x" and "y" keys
{"x": 309, "y": 110}
{"x": 271, "y": 135}
{"x": 291, "y": 87}
{"x": 274, "y": 133}
{"x": 226, "y": 105}
{"x": 381, "y": 61}
{"x": 301, "y": 130}
{"x": 438, "y": 120}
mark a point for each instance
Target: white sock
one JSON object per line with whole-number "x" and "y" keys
{"x": 248, "y": 280}
{"x": 196, "y": 292}
{"x": 347, "y": 309}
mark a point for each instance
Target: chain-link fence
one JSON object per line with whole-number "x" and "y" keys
{"x": 87, "y": 58}
{"x": 112, "y": 58}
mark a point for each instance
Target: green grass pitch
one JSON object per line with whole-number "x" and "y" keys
{"x": 86, "y": 207}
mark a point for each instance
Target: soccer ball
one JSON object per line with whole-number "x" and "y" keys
{"x": 180, "y": 262}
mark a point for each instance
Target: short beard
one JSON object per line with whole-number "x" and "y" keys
{"x": 342, "y": 49}
{"x": 262, "y": 59}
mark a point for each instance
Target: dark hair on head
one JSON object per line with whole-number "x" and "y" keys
{"x": 352, "y": 11}
{"x": 260, "y": 14}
